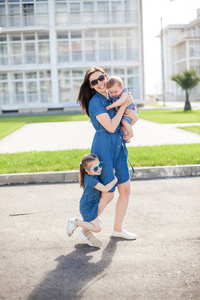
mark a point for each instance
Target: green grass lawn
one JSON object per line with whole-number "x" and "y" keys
{"x": 195, "y": 129}
{"x": 170, "y": 116}
{"x": 10, "y": 124}
{"x": 44, "y": 161}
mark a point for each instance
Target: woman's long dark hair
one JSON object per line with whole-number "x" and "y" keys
{"x": 84, "y": 165}
{"x": 86, "y": 92}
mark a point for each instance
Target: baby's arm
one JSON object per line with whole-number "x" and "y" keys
{"x": 119, "y": 102}
{"x": 105, "y": 188}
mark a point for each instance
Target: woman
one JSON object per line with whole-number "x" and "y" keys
{"x": 107, "y": 143}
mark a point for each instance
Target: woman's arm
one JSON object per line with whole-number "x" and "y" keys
{"x": 107, "y": 187}
{"x": 111, "y": 124}
{"x": 132, "y": 114}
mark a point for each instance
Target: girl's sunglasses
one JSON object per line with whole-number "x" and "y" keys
{"x": 95, "y": 169}
{"x": 95, "y": 81}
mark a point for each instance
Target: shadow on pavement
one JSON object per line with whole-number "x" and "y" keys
{"x": 73, "y": 273}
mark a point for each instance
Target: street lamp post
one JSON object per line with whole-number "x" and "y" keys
{"x": 162, "y": 61}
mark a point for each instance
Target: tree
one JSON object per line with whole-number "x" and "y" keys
{"x": 187, "y": 80}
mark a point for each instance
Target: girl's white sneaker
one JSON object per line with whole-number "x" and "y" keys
{"x": 90, "y": 239}
{"x": 71, "y": 226}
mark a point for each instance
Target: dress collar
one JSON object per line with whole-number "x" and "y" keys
{"x": 103, "y": 97}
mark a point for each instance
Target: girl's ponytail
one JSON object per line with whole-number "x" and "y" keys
{"x": 81, "y": 175}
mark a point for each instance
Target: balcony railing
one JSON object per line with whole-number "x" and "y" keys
{"x": 62, "y": 18}
{"x": 23, "y": 20}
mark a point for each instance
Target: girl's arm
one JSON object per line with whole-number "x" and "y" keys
{"x": 119, "y": 102}
{"x": 107, "y": 187}
{"x": 111, "y": 124}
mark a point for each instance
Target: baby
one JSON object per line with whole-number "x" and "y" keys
{"x": 119, "y": 95}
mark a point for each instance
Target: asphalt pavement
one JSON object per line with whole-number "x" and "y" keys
{"x": 40, "y": 262}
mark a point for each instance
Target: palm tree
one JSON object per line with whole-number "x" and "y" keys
{"x": 187, "y": 80}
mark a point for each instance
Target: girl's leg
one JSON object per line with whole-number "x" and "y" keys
{"x": 106, "y": 197}
{"x": 122, "y": 204}
{"x": 94, "y": 226}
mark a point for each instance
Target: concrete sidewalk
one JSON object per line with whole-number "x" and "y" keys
{"x": 40, "y": 262}
{"x": 79, "y": 135}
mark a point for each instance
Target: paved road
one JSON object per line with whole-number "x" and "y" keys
{"x": 74, "y": 135}
{"x": 40, "y": 262}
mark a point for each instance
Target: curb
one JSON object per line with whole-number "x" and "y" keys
{"x": 73, "y": 176}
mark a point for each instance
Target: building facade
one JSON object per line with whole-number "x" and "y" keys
{"x": 47, "y": 46}
{"x": 181, "y": 52}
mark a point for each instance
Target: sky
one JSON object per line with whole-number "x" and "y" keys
{"x": 172, "y": 12}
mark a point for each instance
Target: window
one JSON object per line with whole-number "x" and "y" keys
{"x": 41, "y": 16}
{"x": 14, "y": 15}
{"x": 44, "y": 55}
{"x": 4, "y": 95}
{"x": 103, "y": 12}
{"x": 3, "y": 50}
{"x": 16, "y": 53}
{"x": 118, "y": 49}
{"x": 88, "y": 9}
{"x": 116, "y": 8}
{"x": 30, "y": 55}
{"x": 61, "y": 13}
{"x": 63, "y": 46}
{"x": 2, "y": 15}
{"x": 104, "y": 50}
{"x": 90, "y": 47}
{"x": 75, "y": 16}
{"x": 28, "y": 14}
{"x": 131, "y": 11}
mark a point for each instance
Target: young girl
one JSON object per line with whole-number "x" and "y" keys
{"x": 90, "y": 169}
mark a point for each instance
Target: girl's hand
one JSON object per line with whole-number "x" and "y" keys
{"x": 132, "y": 114}
{"x": 114, "y": 171}
{"x": 115, "y": 179}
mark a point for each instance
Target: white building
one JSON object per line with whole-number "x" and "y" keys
{"x": 46, "y": 47}
{"x": 181, "y": 52}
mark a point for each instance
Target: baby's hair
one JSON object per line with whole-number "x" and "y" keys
{"x": 88, "y": 158}
{"x": 112, "y": 80}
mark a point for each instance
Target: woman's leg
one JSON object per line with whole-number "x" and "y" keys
{"x": 122, "y": 204}
{"x": 106, "y": 197}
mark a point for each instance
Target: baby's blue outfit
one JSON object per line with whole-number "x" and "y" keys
{"x": 106, "y": 145}
{"x": 90, "y": 199}
{"x": 131, "y": 106}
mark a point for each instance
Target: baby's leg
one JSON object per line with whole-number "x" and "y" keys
{"x": 129, "y": 130}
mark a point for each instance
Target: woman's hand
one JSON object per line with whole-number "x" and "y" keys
{"x": 132, "y": 114}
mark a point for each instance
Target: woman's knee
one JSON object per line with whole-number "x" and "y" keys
{"x": 124, "y": 189}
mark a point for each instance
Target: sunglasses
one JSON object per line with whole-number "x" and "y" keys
{"x": 95, "y": 81}
{"x": 95, "y": 169}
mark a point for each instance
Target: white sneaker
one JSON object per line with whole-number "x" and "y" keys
{"x": 84, "y": 237}
{"x": 71, "y": 226}
{"x": 90, "y": 239}
{"x": 95, "y": 242}
{"x": 124, "y": 235}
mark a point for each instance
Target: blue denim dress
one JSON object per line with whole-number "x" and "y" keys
{"x": 106, "y": 145}
{"x": 88, "y": 205}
